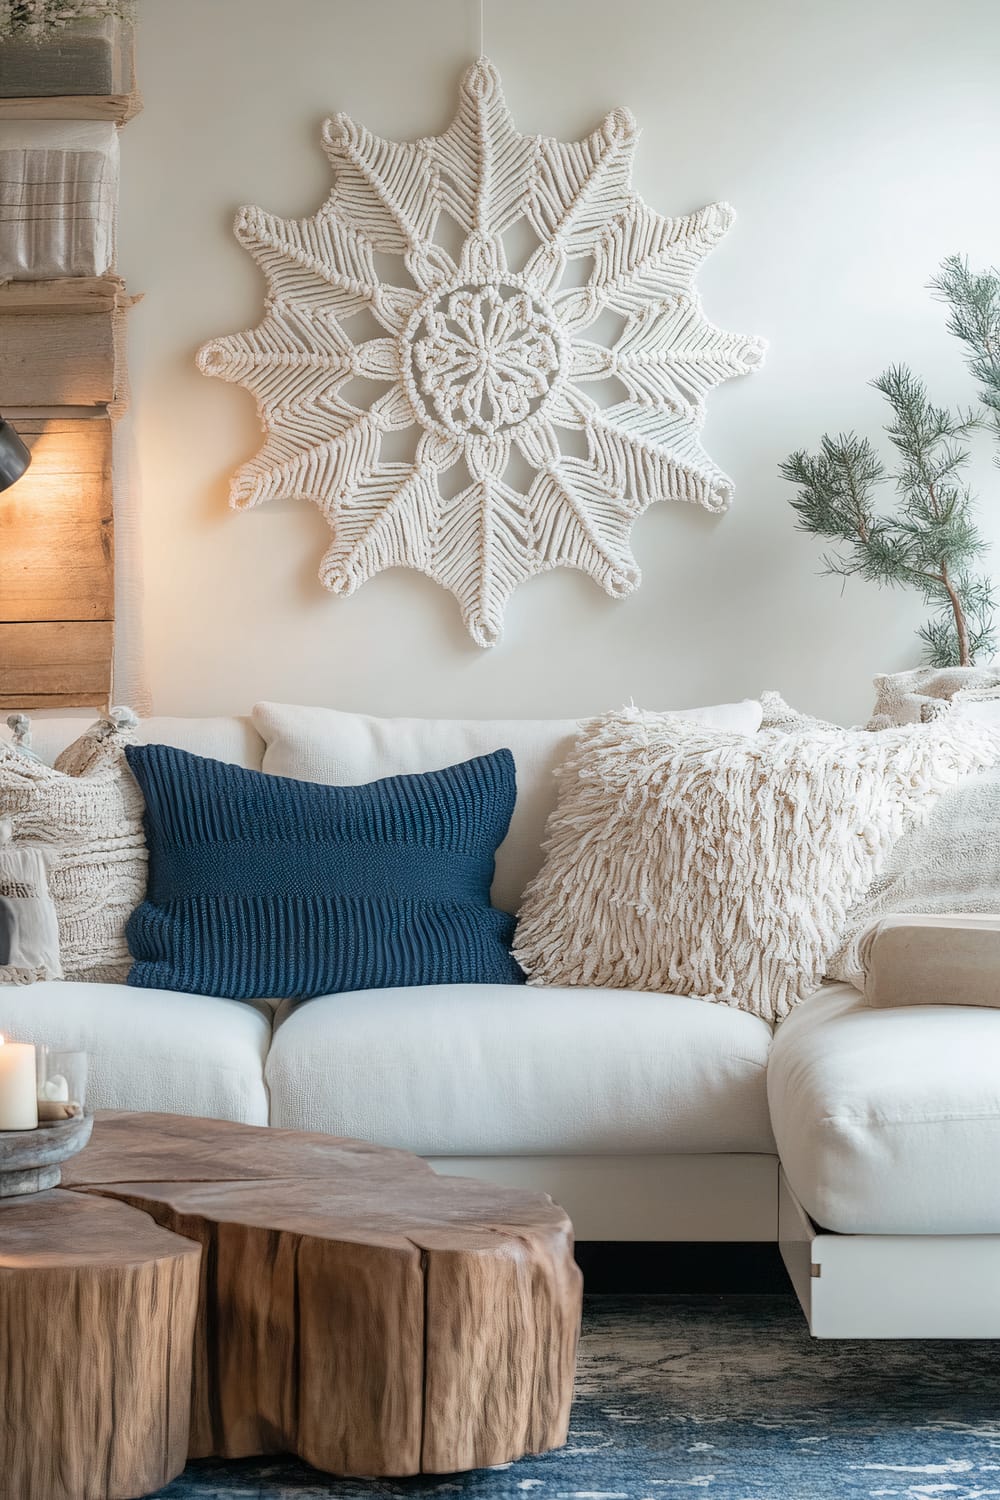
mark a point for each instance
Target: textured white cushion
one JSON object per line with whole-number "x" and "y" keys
{"x": 86, "y": 811}
{"x": 691, "y": 861}
{"x": 150, "y": 1049}
{"x": 345, "y": 749}
{"x": 888, "y": 1121}
{"x": 467, "y": 1070}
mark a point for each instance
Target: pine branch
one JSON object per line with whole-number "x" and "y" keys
{"x": 974, "y": 318}
{"x": 931, "y": 542}
{"x": 835, "y": 487}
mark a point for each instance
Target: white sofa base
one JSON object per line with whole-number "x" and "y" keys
{"x": 728, "y": 1197}
{"x": 890, "y": 1286}
{"x": 649, "y": 1114}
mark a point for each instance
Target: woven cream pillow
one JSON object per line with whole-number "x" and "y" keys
{"x": 88, "y": 810}
{"x": 723, "y": 865}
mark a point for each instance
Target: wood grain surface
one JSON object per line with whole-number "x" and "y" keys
{"x": 57, "y": 664}
{"x": 117, "y": 107}
{"x": 63, "y": 344}
{"x": 56, "y": 526}
{"x": 57, "y": 358}
{"x": 57, "y": 573}
{"x": 354, "y": 1308}
{"x": 97, "y": 1308}
{"x": 67, "y": 294}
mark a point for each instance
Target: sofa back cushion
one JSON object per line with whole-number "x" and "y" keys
{"x": 233, "y": 740}
{"x": 347, "y": 749}
{"x": 230, "y": 739}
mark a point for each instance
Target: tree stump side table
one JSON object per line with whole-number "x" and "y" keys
{"x": 354, "y": 1308}
{"x": 97, "y": 1313}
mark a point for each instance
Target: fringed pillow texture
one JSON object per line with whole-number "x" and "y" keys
{"x": 86, "y": 814}
{"x": 777, "y": 714}
{"x": 720, "y": 865}
{"x": 29, "y": 930}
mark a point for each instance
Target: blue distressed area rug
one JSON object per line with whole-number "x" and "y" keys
{"x": 728, "y": 1398}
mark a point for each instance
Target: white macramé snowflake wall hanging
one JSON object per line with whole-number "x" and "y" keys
{"x": 489, "y": 363}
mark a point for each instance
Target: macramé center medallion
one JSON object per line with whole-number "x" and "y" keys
{"x": 481, "y": 359}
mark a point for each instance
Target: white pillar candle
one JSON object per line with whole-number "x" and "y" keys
{"x": 18, "y": 1087}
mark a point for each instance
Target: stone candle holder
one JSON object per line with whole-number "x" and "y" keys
{"x": 30, "y": 1159}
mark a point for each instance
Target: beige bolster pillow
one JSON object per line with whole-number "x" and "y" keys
{"x": 939, "y": 960}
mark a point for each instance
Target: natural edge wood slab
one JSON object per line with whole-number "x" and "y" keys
{"x": 97, "y": 1311}
{"x": 354, "y": 1307}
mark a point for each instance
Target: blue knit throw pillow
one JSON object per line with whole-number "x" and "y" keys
{"x": 260, "y": 886}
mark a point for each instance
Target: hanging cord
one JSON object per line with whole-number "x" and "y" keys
{"x": 482, "y": 28}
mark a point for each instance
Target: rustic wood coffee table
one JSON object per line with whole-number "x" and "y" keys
{"x": 97, "y": 1317}
{"x": 354, "y": 1308}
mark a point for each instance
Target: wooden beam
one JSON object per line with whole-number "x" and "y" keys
{"x": 85, "y": 294}
{"x": 56, "y": 526}
{"x": 117, "y": 107}
{"x": 57, "y": 359}
{"x": 62, "y": 663}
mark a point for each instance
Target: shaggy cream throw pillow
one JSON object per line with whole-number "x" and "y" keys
{"x": 87, "y": 810}
{"x": 723, "y": 865}
{"x": 926, "y": 693}
{"x": 775, "y": 713}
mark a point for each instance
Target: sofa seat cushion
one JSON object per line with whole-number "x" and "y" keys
{"x": 486, "y": 1070}
{"x": 151, "y": 1049}
{"x": 888, "y": 1121}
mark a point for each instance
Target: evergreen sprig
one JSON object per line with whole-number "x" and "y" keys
{"x": 974, "y": 317}
{"x": 931, "y": 542}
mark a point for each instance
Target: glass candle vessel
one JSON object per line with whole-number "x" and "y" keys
{"x": 62, "y": 1084}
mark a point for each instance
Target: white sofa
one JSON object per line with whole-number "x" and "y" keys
{"x": 866, "y": 1141}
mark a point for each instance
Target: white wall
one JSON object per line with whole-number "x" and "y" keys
{"x": 859, "y": 141}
